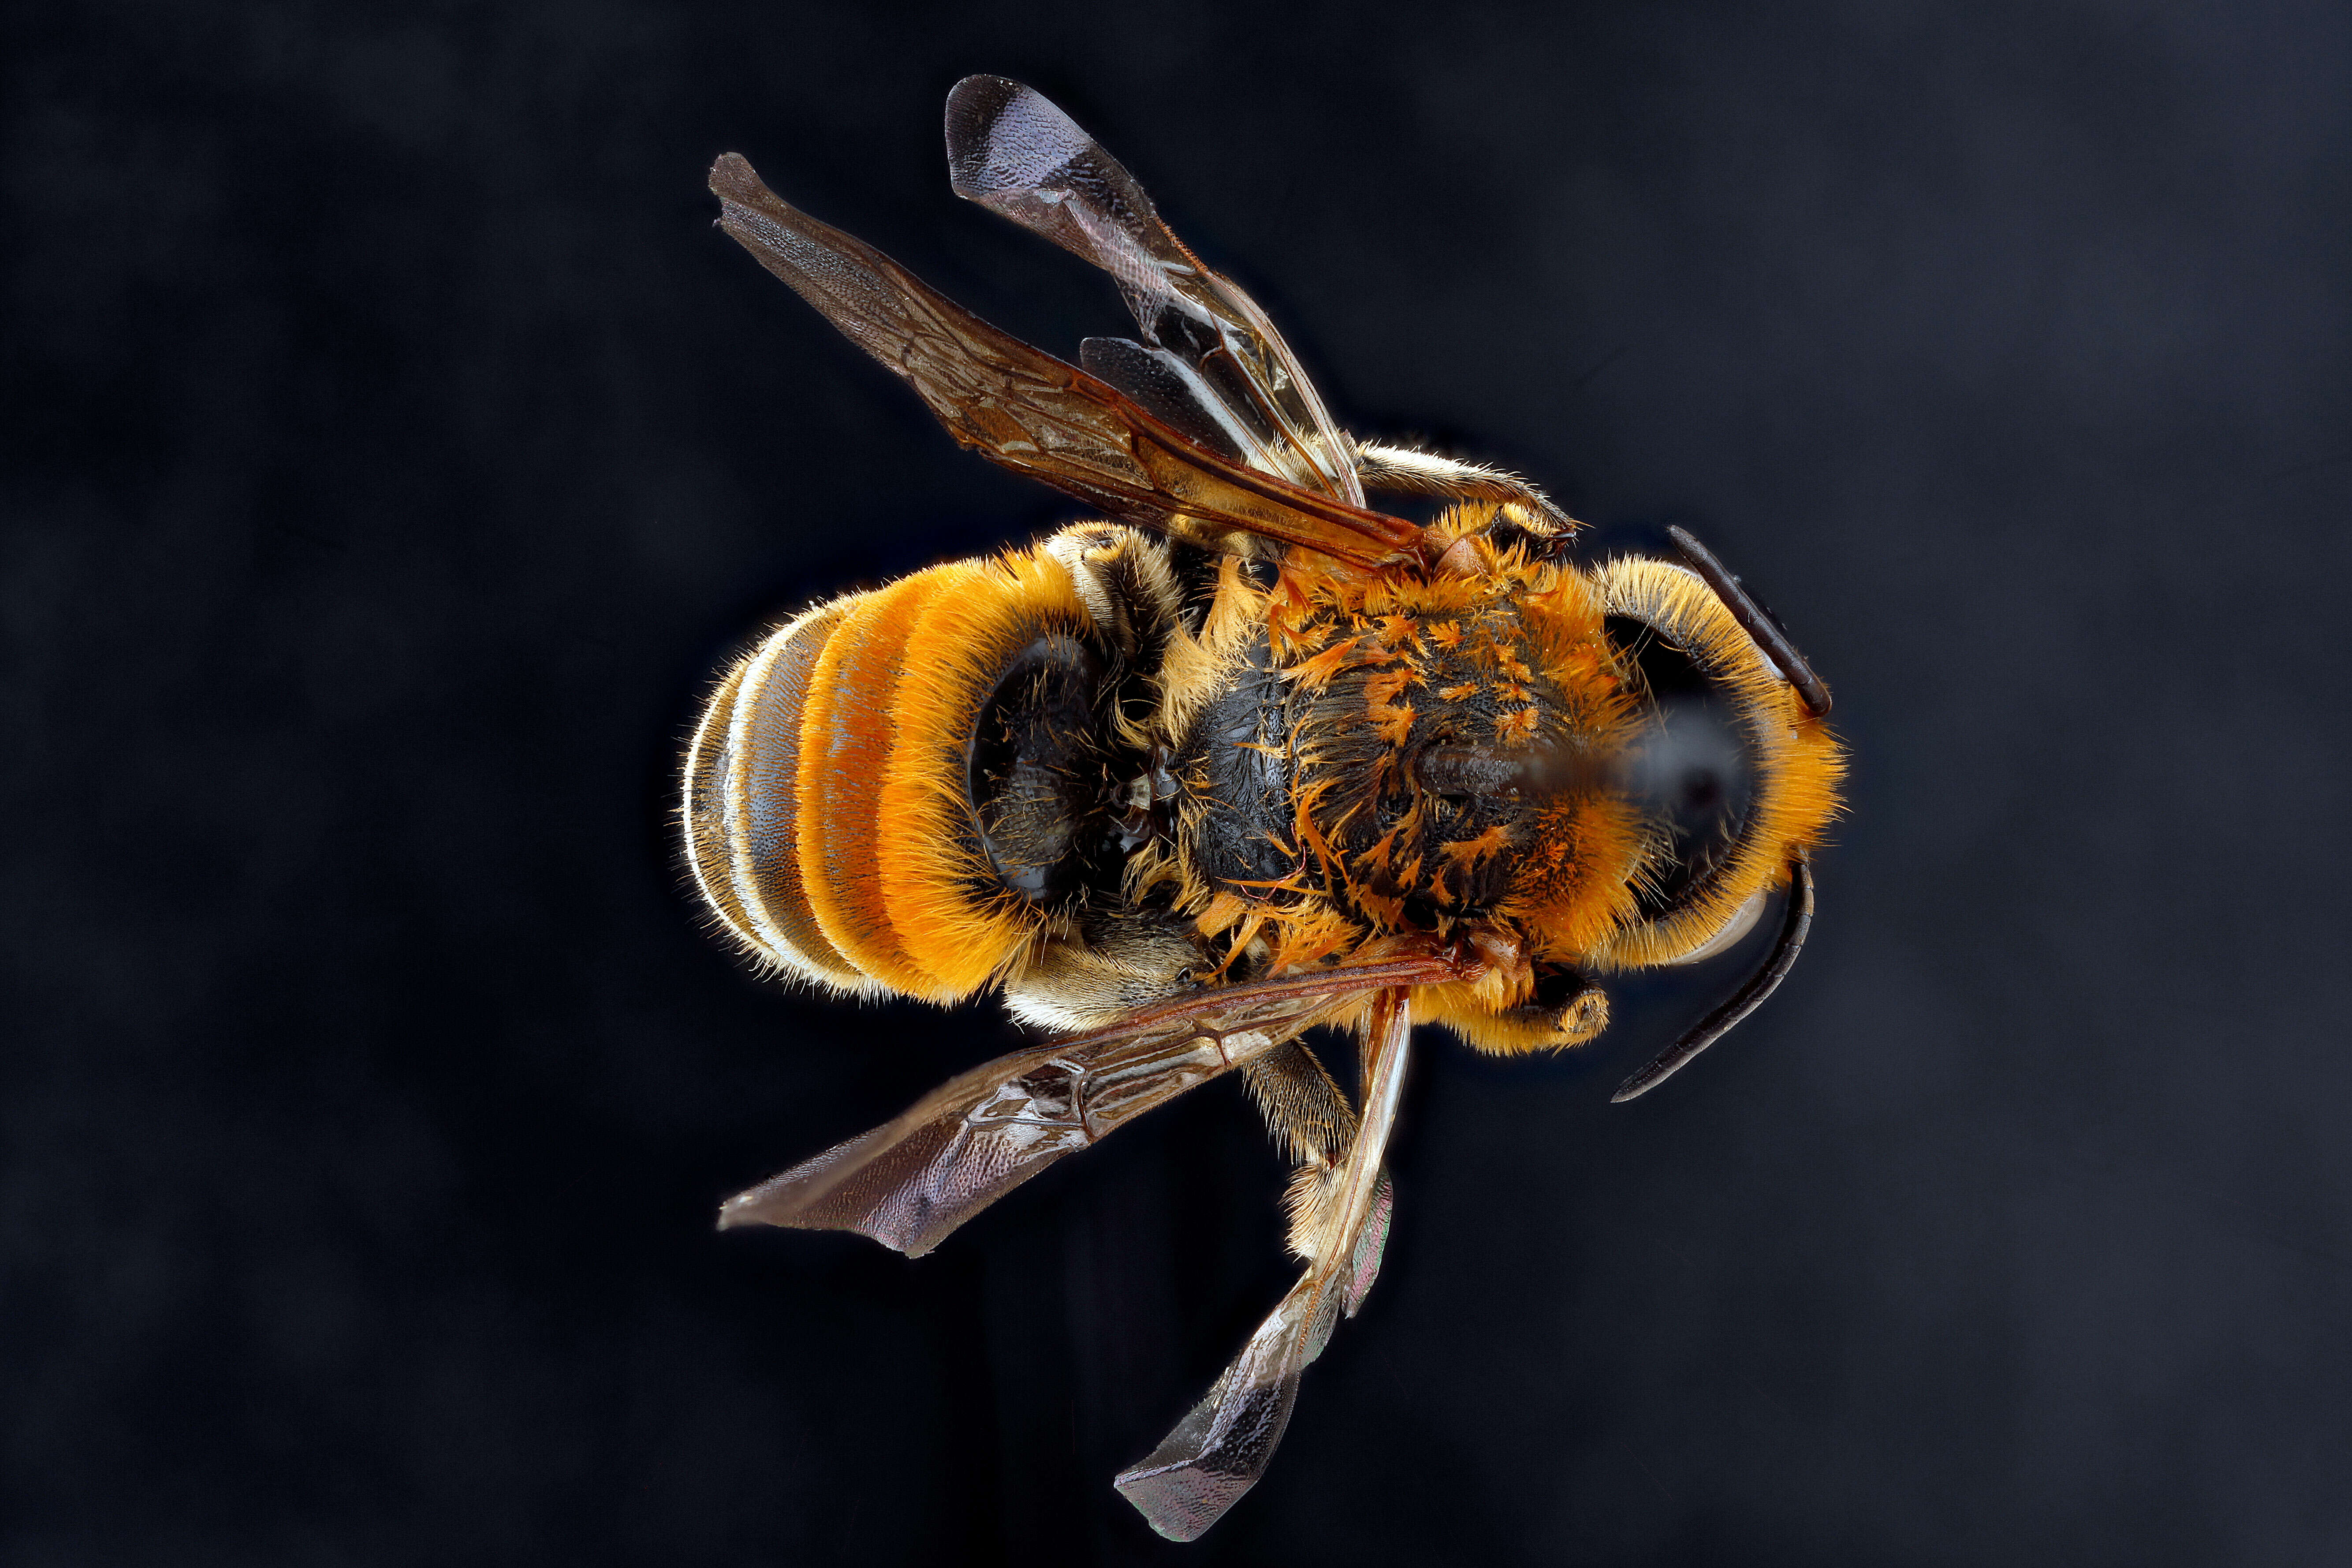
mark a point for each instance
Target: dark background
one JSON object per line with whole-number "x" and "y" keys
{"x": 392, "y": 449}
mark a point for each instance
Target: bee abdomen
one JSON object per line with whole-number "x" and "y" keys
{"x": 742, "y": 805}
{"x": 828, "y": 814}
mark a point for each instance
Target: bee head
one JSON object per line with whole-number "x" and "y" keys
{"x": 1729, "y": 770}
{"x": 1728, "y": 779}
{"x": 1598, "y": 769}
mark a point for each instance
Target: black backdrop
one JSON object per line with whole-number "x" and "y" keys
{"x": 393, "y": 449}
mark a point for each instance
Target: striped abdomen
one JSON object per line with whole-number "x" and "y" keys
{"x": 836, "y": 820}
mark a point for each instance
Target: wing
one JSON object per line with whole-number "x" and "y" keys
{"x": 1012, "y": 151}
{"x": 1022, "y": 408}
{"x": 911, "y": 1182}
{"x": 1219, "y": 1450}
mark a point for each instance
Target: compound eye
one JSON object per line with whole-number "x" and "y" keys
{"x": 1692, "y": 773}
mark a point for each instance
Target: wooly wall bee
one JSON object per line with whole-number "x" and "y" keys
{"x": 1241, "y": 757}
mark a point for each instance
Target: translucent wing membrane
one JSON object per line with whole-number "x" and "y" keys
{"x": 911, "y": 1183}
{"x": 1022, "y": 408}
{"x": 1169, "y": 390}
{"x": 1219, "y": 1450}
{"x": 1013, "y": 151}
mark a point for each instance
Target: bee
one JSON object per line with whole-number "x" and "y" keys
{"x": 1244, "y": 757}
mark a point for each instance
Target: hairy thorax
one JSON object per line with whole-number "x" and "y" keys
{"x": 1366, "y": 755}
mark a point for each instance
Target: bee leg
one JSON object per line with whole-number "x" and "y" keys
{"x": 1104, "y": 967}
{"x": 1219, "y": 1450}
{"x": 1309, "y": 1115}
{"x": 1381, "y": 467}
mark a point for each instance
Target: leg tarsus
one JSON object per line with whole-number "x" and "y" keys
{"x": 1382, "y": 467}
{"x": 1309, "y": 1115}
{"x": 1222, "y": 1446}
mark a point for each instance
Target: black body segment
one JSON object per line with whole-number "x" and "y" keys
{"x": 1036, "y": 783}
{"x": 1234, "y": 770}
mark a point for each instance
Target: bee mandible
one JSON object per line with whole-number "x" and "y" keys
{"x": 1244, "y": 757}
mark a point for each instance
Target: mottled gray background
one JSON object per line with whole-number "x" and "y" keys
{"x": 391, "y": 449}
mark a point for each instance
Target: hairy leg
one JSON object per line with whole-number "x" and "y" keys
{"x": 1310, "y": 1116}
{"x": 1386, "y": 467}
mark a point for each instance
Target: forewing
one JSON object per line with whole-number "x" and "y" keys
{"x": 1019, "y": 406}
{"x": 1013, "y": 151}
{"x": 911, "y": 1182}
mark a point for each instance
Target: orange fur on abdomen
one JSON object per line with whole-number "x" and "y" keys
{"x": 826, "y": 812}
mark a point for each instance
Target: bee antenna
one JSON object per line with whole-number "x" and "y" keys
{"x": 1794, "y": 919}
{"x": 1754, "y": 620}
